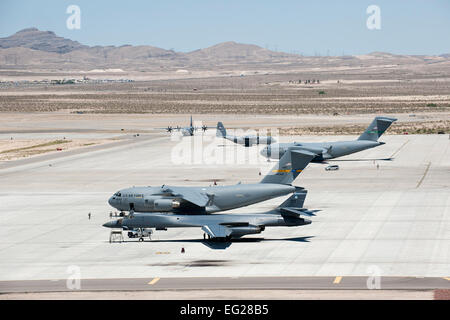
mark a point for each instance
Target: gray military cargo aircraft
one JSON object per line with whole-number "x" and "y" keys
{"x": 204, "y": 200}
{"x": 330, "y": 150}
{"x": 223, "y": 227}
{"x": 186, "y": 131}
{"x": 246, "y": 141}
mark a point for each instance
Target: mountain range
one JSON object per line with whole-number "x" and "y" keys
{"x": 33, "y": 48}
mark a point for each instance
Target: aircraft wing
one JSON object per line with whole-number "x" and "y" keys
{"x": 193, "y": 196}
{"x": 216, "y": 230}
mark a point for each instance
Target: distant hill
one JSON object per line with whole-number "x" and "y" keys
{"x": 233, "y": 50}
{"x": 35, "y": 39}
{"x": 44, "y": 50}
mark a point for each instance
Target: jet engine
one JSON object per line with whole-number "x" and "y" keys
{"x": 165, "y": 204}
{"x": 237, "y": 232}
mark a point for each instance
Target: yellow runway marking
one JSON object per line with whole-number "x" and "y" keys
{"x": 392, "y": 155}
{"x": 424, "y": 174}
{"x": 337, "y": 280}
{"x": 155, "y": 280}
{"x": 447, "y": 278}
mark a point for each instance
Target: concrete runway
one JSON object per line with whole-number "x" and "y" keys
{"x": 221, "y": 283}
{"x": 393, "y": 221}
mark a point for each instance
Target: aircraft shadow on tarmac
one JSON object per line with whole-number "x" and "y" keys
{"x": 383, "y": 159}
{"x": 217, "y": 245}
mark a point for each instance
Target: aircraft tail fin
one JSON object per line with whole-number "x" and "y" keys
{"x": 221, "y": 132}
{"x": 293, "y": 206}
{"x": 191, "y": 122}
{"x": 378, "y": 126}
{"x": 289, "y": 167}
{"x": 296, "y": 200}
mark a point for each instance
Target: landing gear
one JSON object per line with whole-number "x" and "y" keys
{"x": 206, "y": 236}
{"x": 140, "y": 233}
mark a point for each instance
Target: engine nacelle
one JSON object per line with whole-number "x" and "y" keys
{"x": 237, "y": 232}
{"x": 273, "y": 152}
{"x": 165, "y": 204}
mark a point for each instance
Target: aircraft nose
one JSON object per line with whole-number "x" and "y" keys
{"x": 111, "y": 201}
{"x": 109, "y": 224}
{"x": 264, "y": 152}
{"x": 113, "y": 224}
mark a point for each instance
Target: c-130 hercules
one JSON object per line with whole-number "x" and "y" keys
{"x": 246, "y": 141}
{"x": 205, "y": 200}
{"x": 330, "y": 150}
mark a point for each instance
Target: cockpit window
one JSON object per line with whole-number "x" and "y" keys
{"x": 117, "y": 194}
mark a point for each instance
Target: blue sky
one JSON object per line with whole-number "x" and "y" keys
{"x": 309, "y": 27}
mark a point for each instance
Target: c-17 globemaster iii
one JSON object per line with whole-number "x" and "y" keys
{"x": 330, "y": 150}
{"x": 205, "y": 200}
{"x": 223, "y": 227}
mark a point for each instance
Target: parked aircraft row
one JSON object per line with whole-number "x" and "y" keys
{"x": 323, "y": 150}
{"x": 182, "y": 206}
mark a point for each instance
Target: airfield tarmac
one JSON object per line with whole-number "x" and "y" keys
{"x": 393, "y": 221}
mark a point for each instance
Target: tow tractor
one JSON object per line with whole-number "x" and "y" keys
{"x": 140, "y": 233}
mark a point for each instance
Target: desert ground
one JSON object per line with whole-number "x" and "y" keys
{"x": 335, "y": 100}
{"x": 65, "y": 148}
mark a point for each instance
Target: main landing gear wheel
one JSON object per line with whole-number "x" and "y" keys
{"x": 141, "y": 239}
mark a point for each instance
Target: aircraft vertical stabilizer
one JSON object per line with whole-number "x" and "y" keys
{"x": 221, "y": 131}
{"x": 378, "y": 126}
{"x": 289, "y": 167}
{"x": 296, "y": 200}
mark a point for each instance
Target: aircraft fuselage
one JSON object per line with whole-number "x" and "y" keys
{"x": 154, "y": 199}
{"x": 324, "y": 150}
{"x": 240, "y": 224}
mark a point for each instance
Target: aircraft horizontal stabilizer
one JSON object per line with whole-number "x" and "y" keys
{"x": 295, "y": 212}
